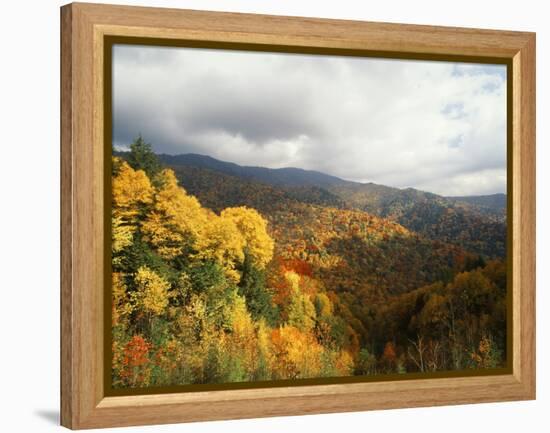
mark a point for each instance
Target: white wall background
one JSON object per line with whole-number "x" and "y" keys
{"x": 29, "y": 216}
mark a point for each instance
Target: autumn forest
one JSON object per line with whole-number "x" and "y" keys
{"x": 223, "y": 273}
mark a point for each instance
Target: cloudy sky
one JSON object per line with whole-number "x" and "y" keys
{"x": 435, "y": 126}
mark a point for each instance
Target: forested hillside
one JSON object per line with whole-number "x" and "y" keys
{"x": 220, "y": 277}
{"x": 493, "y": 205}
{"x": 476, "y": 224}
{"x": 464, "y": 222}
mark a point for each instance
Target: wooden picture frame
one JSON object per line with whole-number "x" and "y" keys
{"x": 84, "y": 28}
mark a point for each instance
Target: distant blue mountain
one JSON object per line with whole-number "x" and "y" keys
{"x": 492, "y": 201}
{"x": 292, "y": 177}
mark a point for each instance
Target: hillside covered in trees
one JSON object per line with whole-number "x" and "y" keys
{"x": 222, "y": 276}
{"x": 476, "y": 223}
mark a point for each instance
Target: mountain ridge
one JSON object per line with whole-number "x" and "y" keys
{"x": 280, "y": 177}
{"x": 285, "y": 176}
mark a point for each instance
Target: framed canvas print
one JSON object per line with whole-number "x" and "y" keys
{"x": 268, "y": 216}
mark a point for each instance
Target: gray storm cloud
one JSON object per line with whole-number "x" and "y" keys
{"x": 436, "y": 126}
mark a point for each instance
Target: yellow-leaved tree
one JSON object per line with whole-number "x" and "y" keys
{"x": 151, "y": 295}
{"x": 131, "y": 189}
{"x": 132, "y": 193}
{"x": 253, "y": 228}
{"x": 225, "y": 239}
{"x": 221, "y": 241}
{"x": 122, "y": 233}
{"x": 175, "y": 220}
{"x": 297, "y": 353}
{"x": 301, "y": 311}
{"x": 241, "y": 342}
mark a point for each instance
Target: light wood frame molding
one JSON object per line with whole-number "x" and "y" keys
{"x": 83, "y": 28}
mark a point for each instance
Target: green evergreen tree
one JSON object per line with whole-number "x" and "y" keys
{"x": 142, "y": 157}
{"x": 253, "y": 287}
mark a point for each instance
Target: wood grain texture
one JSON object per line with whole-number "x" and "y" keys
{"x": 67, "y": 386}
{"x": 83, "y": 404}
{"x": 524, "y": 239}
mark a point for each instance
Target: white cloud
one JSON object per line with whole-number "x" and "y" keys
{"x": 435, "y": 126}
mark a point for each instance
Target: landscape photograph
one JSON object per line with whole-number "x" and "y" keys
{"x": 281, "y": 217}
